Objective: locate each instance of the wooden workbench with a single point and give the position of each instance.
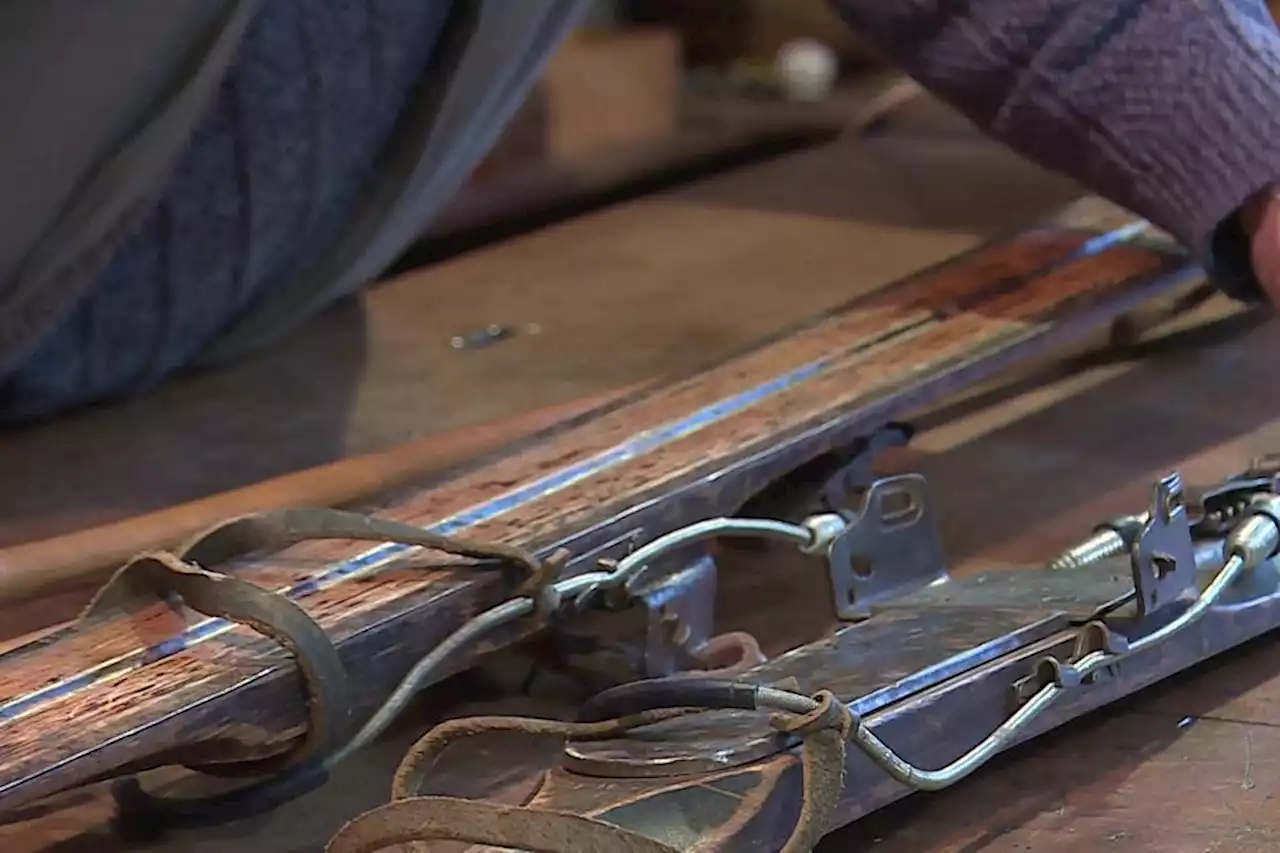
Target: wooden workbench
(1190, 766)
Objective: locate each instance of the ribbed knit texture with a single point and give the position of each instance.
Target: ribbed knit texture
(1170, 108)
(269, 179)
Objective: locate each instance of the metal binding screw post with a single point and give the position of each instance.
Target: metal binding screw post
(1111, 539)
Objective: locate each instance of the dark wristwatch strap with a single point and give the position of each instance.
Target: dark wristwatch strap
(1229, 265)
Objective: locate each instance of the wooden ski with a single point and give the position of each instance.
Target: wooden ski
(144, 680)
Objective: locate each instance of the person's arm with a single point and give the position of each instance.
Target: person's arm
(1170, 108)
(98, 102)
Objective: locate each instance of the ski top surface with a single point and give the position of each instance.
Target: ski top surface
(109, 694)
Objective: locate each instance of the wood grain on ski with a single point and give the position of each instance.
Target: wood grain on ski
(699, 447)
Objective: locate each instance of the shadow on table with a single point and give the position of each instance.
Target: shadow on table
(283, 410)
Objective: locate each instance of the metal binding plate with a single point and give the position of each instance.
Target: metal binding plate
(891, 547)
(1164, 557)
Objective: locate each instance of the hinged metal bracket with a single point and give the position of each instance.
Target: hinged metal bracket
(1164, 557)
(891, 546)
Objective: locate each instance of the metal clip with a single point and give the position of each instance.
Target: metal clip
(1096, 637)
(890, 547)
(1164, 557)
(1093, 637)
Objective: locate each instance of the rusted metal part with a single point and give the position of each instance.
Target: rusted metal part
(680, 611)
(727, 656)
(693, 450)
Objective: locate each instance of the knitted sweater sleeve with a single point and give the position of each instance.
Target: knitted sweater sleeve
(1170, 108)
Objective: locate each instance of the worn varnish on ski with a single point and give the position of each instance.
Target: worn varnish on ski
(140, 686)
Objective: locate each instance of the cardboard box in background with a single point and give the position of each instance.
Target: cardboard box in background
(609, 88)
(602, 89)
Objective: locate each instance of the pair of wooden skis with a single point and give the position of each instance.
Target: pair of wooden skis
(274, 646)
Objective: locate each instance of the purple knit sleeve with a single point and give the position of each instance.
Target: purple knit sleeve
(1170, 108)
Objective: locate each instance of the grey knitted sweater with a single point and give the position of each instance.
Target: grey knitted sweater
(286, 146)
(1168, 107)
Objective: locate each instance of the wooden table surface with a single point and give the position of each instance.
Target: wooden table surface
(1193, 765)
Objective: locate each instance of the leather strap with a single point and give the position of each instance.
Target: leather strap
(162, 577)
(410, 817)
(159, 577)
(275, 531)
(826, 731)
(482, 822)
